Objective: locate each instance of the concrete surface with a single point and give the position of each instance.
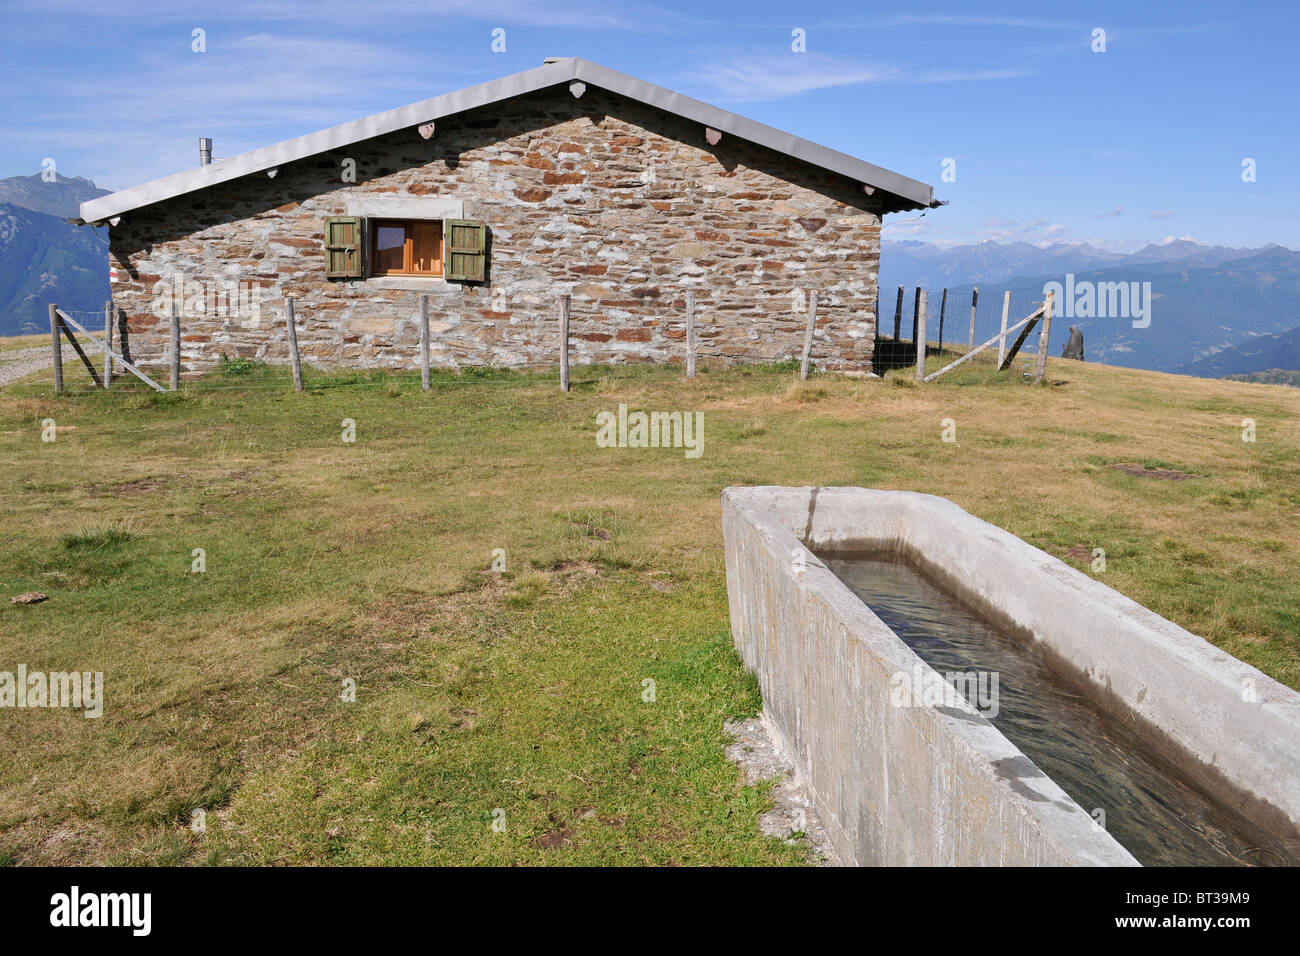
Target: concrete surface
(936, 785)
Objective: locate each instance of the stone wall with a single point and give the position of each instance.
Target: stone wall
(621, 205)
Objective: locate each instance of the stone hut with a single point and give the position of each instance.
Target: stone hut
(493, 202)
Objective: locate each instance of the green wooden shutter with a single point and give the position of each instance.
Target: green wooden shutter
(466, 243)
(343, 247)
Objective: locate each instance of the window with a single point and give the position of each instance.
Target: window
(452, 249)
(405, 247)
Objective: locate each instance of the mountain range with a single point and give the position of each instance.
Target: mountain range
(45, 259)
(1205, 300)
(1214, 310)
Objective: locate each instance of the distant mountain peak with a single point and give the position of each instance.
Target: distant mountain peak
(61, 197)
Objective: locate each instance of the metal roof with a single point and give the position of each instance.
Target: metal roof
(913, 194)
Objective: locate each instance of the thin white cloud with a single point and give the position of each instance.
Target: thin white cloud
(979, 21)
(1162, 213)
(753, 78)
(136, 121)
(1039, 231)
(757, 77)
(575, 14)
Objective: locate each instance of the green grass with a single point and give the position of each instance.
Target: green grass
(522, 691)
(12, 343)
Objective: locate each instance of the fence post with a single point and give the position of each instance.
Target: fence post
(424, 342)
(920, 334)
(916, 311)
(564, 343)
(943, 307)
(108, 343)
(1044, 337)
(808, 335)
(898, 315)
(1002, 339)
(690, 333)
(58, 349)
(974, 300)
(176, 347)
(875, 335)
(293, 343)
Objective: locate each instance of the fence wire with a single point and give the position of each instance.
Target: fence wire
(957, 317)
(240, 374)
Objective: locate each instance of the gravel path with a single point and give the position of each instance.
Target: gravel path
(23, 362)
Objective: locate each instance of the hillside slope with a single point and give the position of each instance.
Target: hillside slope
(1196, 310)
(46, 260)
(1258, 354)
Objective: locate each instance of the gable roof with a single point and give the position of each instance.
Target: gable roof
(911, 193)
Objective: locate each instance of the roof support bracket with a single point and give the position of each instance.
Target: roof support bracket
(426, 131)
(577, 88)
(712, 136)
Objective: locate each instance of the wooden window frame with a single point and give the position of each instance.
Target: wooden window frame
(408, 247)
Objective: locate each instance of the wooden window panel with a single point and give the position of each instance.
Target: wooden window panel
(426, 248)
(390, 248)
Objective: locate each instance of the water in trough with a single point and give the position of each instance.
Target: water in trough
(1156, 814)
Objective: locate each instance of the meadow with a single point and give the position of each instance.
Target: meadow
(233, 566)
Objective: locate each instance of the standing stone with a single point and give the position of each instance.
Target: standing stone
(1074, 347)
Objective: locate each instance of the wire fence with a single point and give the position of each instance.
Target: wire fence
(948, 323)
(950, 319)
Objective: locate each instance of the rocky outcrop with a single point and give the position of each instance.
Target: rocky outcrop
(1074, 347)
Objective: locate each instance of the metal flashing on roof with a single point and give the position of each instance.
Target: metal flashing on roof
(912, 194)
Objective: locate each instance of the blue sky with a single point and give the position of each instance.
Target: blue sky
(1050, 141)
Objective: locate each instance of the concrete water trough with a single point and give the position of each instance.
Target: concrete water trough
(930, 779)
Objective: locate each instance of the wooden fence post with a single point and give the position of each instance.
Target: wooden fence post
(1044, 338)
(690, 334)
(58, 349)
(564, 343)
(108, 343)
(974, 300)
(176, 347)
(808, 335)
(292, 325)
(916, 311)
(875, 335)
(898, 315)
(943, 307)
(1002, 339)
(424, 342)
(920, 334)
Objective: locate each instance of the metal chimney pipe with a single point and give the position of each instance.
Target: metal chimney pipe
(205, 151)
